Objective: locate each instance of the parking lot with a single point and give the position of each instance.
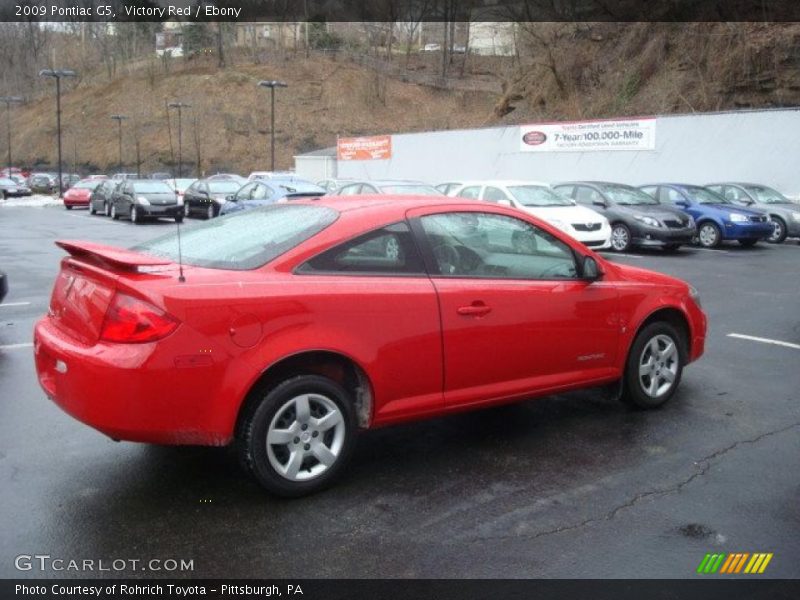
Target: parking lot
(566, 486)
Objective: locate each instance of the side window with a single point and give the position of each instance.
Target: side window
(368, 189)
(565, 190)
(390, 250)
(350, 190)
(472, 192)
(735, 195)
(651, 190)
(260, 192)
(244, 192)
(486, 245)
(493, 194)
(586, 195)
(671, 196)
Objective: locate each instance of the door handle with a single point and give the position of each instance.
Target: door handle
(476, 309)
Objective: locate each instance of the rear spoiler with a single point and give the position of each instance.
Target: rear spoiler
(119, 258)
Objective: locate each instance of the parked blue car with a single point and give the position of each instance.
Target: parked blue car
(261, 192)
(717, 218)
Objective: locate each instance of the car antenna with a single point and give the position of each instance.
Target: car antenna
(181, 278)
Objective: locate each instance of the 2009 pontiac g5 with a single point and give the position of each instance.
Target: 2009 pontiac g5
(289, 328)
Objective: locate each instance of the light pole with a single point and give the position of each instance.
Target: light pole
(180, 106)
(9, 100)
(57, 74)
(119, 119)
(272, 85)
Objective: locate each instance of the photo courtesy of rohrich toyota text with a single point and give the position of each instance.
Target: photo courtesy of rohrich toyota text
(405, 299)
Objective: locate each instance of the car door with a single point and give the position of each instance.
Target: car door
(677, 199)
(385, 304)
(516, 318)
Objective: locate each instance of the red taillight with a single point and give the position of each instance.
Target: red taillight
(133, 321)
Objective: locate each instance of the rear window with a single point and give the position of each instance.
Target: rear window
(245, 240)
(151, 187)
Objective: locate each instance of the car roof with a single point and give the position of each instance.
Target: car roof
(591, 182)
(386, 202)
(388, 182)
(505, 182)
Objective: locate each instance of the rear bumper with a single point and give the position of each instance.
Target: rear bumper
(172, 210)
(154, 393)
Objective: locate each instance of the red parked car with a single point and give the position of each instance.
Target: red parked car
(290, 327)
(80, 193)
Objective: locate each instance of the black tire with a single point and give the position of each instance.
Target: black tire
(2, 195)
(709, 235)
(252, 448)
(748, 243)
(114, 214)
(106, 209)
(179, 219)
(92, 211)
(135, 218)
(210, 212)
(780, 231)
(672, 247)
(620, 237)
(68, 207)
(634, 392)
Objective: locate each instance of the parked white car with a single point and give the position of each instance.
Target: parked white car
(537, 198)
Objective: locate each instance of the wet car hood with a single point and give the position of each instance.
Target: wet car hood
(158, 199)
(657, 211)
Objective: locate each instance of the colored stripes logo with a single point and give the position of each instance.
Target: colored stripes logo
(740, 562)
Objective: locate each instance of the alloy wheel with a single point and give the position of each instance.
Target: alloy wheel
(658, 365)
(107, 209)
(134, 215)
(620, 238)
(305, 437)
(777, 232)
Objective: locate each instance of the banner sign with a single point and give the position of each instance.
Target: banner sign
(589, 136)
(378, 147)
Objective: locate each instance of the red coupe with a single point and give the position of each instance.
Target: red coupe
(288, 328)
(80, 193)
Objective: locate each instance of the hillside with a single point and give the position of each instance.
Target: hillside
(564, 71)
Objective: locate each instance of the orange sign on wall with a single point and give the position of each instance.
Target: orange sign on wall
(376, 147)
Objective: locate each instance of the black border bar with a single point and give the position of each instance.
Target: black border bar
(400, 10)
(406, 589)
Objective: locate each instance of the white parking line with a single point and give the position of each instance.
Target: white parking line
(764, 340)
(7, 304)
(16, 346)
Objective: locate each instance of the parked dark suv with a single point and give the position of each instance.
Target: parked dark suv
(636, 219)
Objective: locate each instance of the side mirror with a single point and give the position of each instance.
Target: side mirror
(590, 270)
(599, 203)
(229, 198)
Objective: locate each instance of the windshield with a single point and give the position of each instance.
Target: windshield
(242, 241)
(537, 195)
(86, 185)
(151, 187)
(416, 189)
(705, 196)
(766, 195)
(179, 184)
(5, 181)
(224, 186)
(627, 196)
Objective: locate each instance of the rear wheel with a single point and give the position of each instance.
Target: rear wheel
(778, 231)
(114, 214)
(620, 237)
(748, 243)
(92, 211)
(68, 206)
(106, 209)
(210, 211)
(135, 217)
(709, 235)
(654, 367)
(299, 437)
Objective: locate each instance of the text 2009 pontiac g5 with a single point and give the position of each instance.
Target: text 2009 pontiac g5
(295, 325)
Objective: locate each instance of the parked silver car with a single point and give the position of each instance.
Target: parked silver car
(784, 214)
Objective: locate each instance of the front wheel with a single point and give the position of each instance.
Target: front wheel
(135, 217)
(300, 436)
(620, 237)
(92, 211)
(210, 211)
(68, 206)
(106, 209)
(778, 231)
(709, 235)
(654, 367)
(114, 214)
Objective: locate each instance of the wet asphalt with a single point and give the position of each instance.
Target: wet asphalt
(566, 486)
